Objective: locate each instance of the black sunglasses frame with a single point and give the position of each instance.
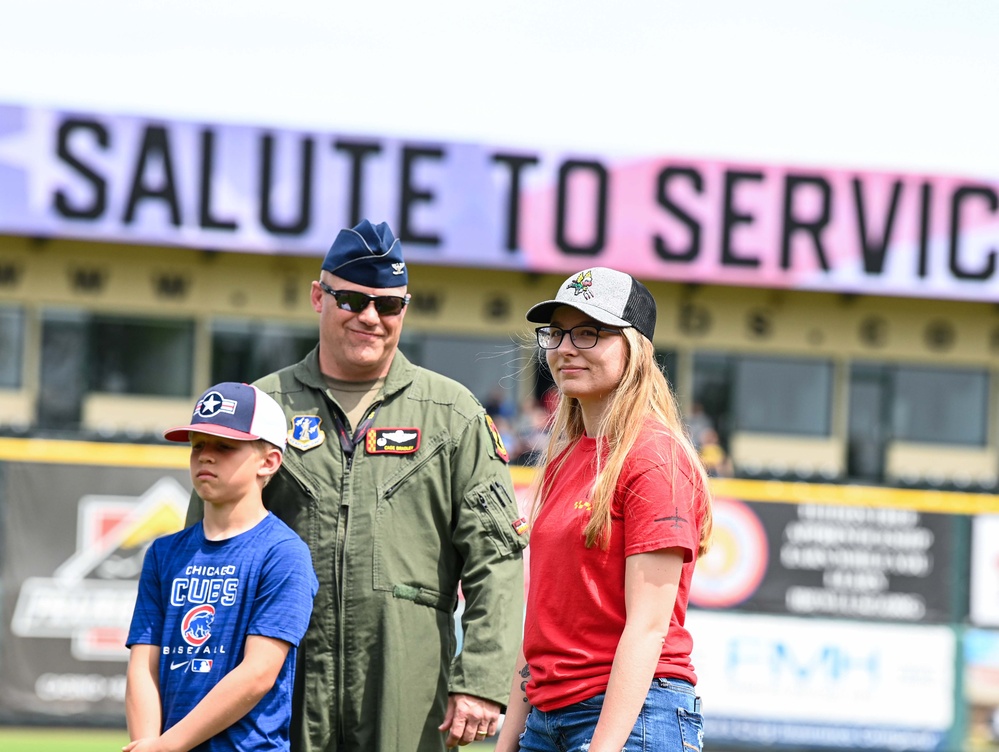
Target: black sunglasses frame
(572, 337)
(385, 305)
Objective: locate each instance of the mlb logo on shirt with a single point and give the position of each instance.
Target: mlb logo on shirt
(201, 666)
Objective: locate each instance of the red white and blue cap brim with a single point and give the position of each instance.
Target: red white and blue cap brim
(235, 411)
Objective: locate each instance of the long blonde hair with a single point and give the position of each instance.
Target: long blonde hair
(642, 394)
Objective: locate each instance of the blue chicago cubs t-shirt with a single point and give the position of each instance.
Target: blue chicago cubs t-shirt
(199, 599)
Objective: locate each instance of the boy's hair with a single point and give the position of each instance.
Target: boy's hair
(235, 411)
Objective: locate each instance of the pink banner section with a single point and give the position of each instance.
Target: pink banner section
(255, 189)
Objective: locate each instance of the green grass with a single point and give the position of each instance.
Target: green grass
(18, 739)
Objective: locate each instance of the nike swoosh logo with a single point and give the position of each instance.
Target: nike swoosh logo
(178, 665)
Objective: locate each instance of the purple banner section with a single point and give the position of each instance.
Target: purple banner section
(250, 188)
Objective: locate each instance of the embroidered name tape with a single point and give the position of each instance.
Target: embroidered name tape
(392, 440)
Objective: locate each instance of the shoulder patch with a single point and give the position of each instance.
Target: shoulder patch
(498, 445)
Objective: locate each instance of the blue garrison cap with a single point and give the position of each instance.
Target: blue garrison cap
(368, 255)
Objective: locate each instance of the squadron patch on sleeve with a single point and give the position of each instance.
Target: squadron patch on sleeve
(305, 432)
(498, 445)
(392, 440)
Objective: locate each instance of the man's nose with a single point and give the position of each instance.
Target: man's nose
(368, 314)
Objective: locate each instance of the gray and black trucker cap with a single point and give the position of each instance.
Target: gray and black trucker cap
(605, 295)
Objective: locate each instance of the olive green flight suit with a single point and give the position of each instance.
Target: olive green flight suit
(392, 531)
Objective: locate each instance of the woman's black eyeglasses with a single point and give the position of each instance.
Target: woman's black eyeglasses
(356, 301)
(583, 336)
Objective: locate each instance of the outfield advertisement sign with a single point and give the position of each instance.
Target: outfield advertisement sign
(75, 532)
(780, 681)
(984, 605)
(161, 181)
(810, 559)
(74, 538)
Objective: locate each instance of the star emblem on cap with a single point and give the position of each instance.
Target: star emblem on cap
(210, 404)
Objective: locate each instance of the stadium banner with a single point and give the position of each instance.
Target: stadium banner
(210, 186)
(810, 559)
(73, 540)
(984, 596)
(981, 689)
(775, 681)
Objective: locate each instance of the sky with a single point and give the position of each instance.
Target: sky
(889, 85)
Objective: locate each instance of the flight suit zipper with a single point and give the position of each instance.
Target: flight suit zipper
(349, 443)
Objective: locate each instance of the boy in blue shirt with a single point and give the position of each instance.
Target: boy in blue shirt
(223, 604)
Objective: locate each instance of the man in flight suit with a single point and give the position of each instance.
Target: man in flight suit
(397, 479)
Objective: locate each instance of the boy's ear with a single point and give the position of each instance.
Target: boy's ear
(272, 460)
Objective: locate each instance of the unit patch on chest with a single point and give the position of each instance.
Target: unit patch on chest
(392, 440)
(305, 432)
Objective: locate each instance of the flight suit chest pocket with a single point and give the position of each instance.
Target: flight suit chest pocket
(409, 525)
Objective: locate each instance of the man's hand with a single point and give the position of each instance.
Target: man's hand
(469, 719)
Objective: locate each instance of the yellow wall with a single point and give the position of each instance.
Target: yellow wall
(37, 273)
(154, 281)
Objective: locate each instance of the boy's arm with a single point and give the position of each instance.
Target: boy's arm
(143, 713)
(234, 696)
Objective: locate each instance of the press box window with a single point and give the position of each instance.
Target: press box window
(783, 395)
(246, 350)
(83, 353)
(764, 395)
(152, 357)
(940, 406)
(12, 347)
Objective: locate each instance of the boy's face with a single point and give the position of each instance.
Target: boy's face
(228, 470)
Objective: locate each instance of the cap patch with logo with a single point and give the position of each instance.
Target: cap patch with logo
(235, 411)
(606, 296)
(392, 440)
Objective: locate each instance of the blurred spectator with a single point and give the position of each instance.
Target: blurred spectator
(715, 458)
(697, 422)
(500, 404)
(531, 429)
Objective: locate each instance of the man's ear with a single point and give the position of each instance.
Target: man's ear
(316, 297)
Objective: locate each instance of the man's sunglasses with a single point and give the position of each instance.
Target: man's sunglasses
(355, 301)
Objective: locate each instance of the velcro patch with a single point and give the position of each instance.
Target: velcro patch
(498, 446)
(305, 432)
(392, 440)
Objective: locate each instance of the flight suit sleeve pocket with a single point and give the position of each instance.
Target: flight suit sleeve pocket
(498, 517)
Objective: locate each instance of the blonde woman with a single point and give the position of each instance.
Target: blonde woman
(621, 514)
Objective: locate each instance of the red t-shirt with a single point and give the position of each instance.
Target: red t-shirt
(575, 607)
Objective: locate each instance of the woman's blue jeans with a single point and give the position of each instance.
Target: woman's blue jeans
(670, 721)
